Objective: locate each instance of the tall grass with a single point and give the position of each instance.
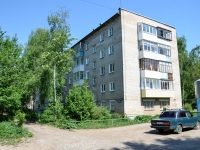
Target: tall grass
(11, 134)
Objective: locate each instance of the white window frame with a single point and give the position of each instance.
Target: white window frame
(103, 87)
(163, 102)
(94, 65)
(70, 80)
(110, 49)
(101, 37)
(87, 61)
(111, 67)
(86, 47)
(87, 75)
(103, 104)
(110, 31)
(102, 70)
(94, 81)
(94, 49)
(102, 53)
(112, 105)
(149, 104)
(112, 86)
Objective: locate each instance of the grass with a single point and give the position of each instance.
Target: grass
(97, 124)
(11, 134)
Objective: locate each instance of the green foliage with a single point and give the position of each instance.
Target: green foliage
(11, 134)
(100, 113)
(188, 106)
(80, 104)
(144, 118)
(53, 113)
(10, 91)
(20, 118)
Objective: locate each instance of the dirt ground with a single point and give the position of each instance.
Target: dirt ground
(134, 137)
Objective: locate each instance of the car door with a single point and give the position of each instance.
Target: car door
(184, 119)
(191, 119)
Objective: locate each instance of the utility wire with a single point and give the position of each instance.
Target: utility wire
(98, 4)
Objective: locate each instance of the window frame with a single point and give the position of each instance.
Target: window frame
(103, 88)
(87, 75)
(111, 49)
(101, 37)
(87, 60)
(111, 67)
(94, 64)
(110, 31)
(112, 106)
(102, 53)
(111, 86)
(102, 70)
(94, 49)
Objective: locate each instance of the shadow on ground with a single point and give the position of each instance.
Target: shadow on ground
(168, 144)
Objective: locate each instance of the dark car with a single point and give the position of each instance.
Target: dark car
(175, 120)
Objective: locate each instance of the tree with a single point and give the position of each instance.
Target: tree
(183, 64)
(48, 58)
(80, 104)
(10, 91)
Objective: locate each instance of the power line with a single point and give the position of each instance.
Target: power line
(98, 4)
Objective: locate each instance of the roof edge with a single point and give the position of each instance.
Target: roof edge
(147, 17)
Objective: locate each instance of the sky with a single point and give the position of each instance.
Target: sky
(21, 17)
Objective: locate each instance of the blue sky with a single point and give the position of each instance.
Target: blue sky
(23, 16)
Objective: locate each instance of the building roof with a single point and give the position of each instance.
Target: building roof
(113, 18)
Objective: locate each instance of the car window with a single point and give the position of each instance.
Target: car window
(188, 114)
(182, 114)
(168, 114)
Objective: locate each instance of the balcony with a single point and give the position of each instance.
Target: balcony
(79, 54)
(152, 93)
(154, 74)
(152, 55)
(150, 37)
(78, 68)
(79, 82)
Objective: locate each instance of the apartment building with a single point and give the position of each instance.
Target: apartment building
(131, 64)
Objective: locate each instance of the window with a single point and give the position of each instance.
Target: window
(110, 49)
(111, 68)
(165, 34)
(101, 37)
(87, 61)
(111, 86)
(110, 31)
(102, 70)
(86, 47)
(103, 104)
(103, 87)
(94, 65)
(148, 104)
(94, 81)
(148, 29)
(112, 105)
(94, 49)
(102, 53)
(70, 81)
(163, 103)
(87, 75)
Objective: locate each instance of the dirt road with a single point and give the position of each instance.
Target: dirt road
(135, 137)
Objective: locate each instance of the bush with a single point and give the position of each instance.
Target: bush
(11, 134)
(100, 113)
(20, 117)
(188, 107)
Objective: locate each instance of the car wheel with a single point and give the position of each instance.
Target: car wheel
(197, 126)
(179, 129)
(160, 130)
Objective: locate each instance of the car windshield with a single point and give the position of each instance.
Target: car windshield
(169, 114)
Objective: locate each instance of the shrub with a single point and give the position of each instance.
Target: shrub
(11, 134)
(188, 107)
(20, 117)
